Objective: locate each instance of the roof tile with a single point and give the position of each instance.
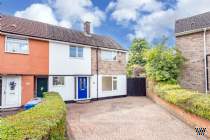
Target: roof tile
(46, 31)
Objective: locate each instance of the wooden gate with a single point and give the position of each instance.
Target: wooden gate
(136, 86)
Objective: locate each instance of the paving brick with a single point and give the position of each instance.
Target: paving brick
(129, 118)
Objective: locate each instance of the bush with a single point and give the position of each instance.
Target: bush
(163, 64)
(191, 101)
(45, 121)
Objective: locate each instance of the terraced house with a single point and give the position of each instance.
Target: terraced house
(37, 57)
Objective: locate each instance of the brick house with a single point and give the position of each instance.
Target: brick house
(193, 40)
(37, 57)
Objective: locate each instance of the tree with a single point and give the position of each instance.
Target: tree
(163, 63)
(136, 51)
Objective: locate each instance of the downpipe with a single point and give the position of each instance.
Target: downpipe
(205, 61)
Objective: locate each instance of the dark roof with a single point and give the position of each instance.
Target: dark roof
(21, 26)
(193, 23)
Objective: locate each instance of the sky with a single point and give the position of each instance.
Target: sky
(123, 20)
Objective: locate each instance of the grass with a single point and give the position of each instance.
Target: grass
(191, 101)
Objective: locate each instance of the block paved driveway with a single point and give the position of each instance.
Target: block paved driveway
(129, 118)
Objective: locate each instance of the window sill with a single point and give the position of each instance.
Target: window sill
(17, 53)
(58, 85)
(80, 58)
(109, 60)
(109, 91)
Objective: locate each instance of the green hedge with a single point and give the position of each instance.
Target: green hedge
(191, 101)
(46, 121)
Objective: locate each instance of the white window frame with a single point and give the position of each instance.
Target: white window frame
(112, 55)
(58, 85)
(5, 47)
(114, 78)
(73, 46)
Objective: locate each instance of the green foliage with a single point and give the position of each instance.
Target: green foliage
(191, 101)
(136, 52)
(163, 64)
(45, 121)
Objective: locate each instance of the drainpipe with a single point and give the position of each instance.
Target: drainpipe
(97, 70)
(205, 61)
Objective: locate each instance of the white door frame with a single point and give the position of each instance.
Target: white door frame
(1, 91)
(4, 91)
(88, 88)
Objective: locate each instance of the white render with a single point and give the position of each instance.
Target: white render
(121, 87)
(67, 91)
(60, 62)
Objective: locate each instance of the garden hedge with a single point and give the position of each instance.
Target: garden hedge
(191, 101)
(46, 121)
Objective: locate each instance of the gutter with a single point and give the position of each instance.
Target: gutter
(191, 31)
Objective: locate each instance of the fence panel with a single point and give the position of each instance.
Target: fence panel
(136, 86)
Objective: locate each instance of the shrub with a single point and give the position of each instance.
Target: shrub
(191, 101)
(163, 64)
(45, 121)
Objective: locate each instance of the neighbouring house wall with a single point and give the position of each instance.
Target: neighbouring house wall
(27, 89)
(121, 87)
(36, 62)
(60, 61)
(108, 67)
(191, 47)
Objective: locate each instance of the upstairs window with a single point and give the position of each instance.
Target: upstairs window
(14, 45)
(76, 52)
(108, 55)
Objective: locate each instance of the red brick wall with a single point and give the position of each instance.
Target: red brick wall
(27, 88)
(36, 62)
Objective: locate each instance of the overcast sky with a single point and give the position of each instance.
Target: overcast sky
(121, 19)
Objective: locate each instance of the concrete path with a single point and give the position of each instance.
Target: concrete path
(129, 118)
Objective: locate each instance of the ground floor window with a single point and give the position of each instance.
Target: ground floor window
(109, 83)
(58, 80)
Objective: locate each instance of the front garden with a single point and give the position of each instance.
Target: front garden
(190, 101)
(45, 121)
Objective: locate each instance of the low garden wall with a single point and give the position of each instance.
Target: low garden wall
(46, 121)
(191, 107)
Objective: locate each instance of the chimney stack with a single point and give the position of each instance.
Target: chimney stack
(87, 27)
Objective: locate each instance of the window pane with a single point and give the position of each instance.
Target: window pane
(106, 55)
(106, 83)
(80, 52)
(114, 55)
(58, 80)
(23, 48)
(73, 52)
(17, 45)
(114, 84)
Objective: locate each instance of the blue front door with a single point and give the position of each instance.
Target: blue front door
(82, 87)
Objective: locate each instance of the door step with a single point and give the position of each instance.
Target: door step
(83, 101)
